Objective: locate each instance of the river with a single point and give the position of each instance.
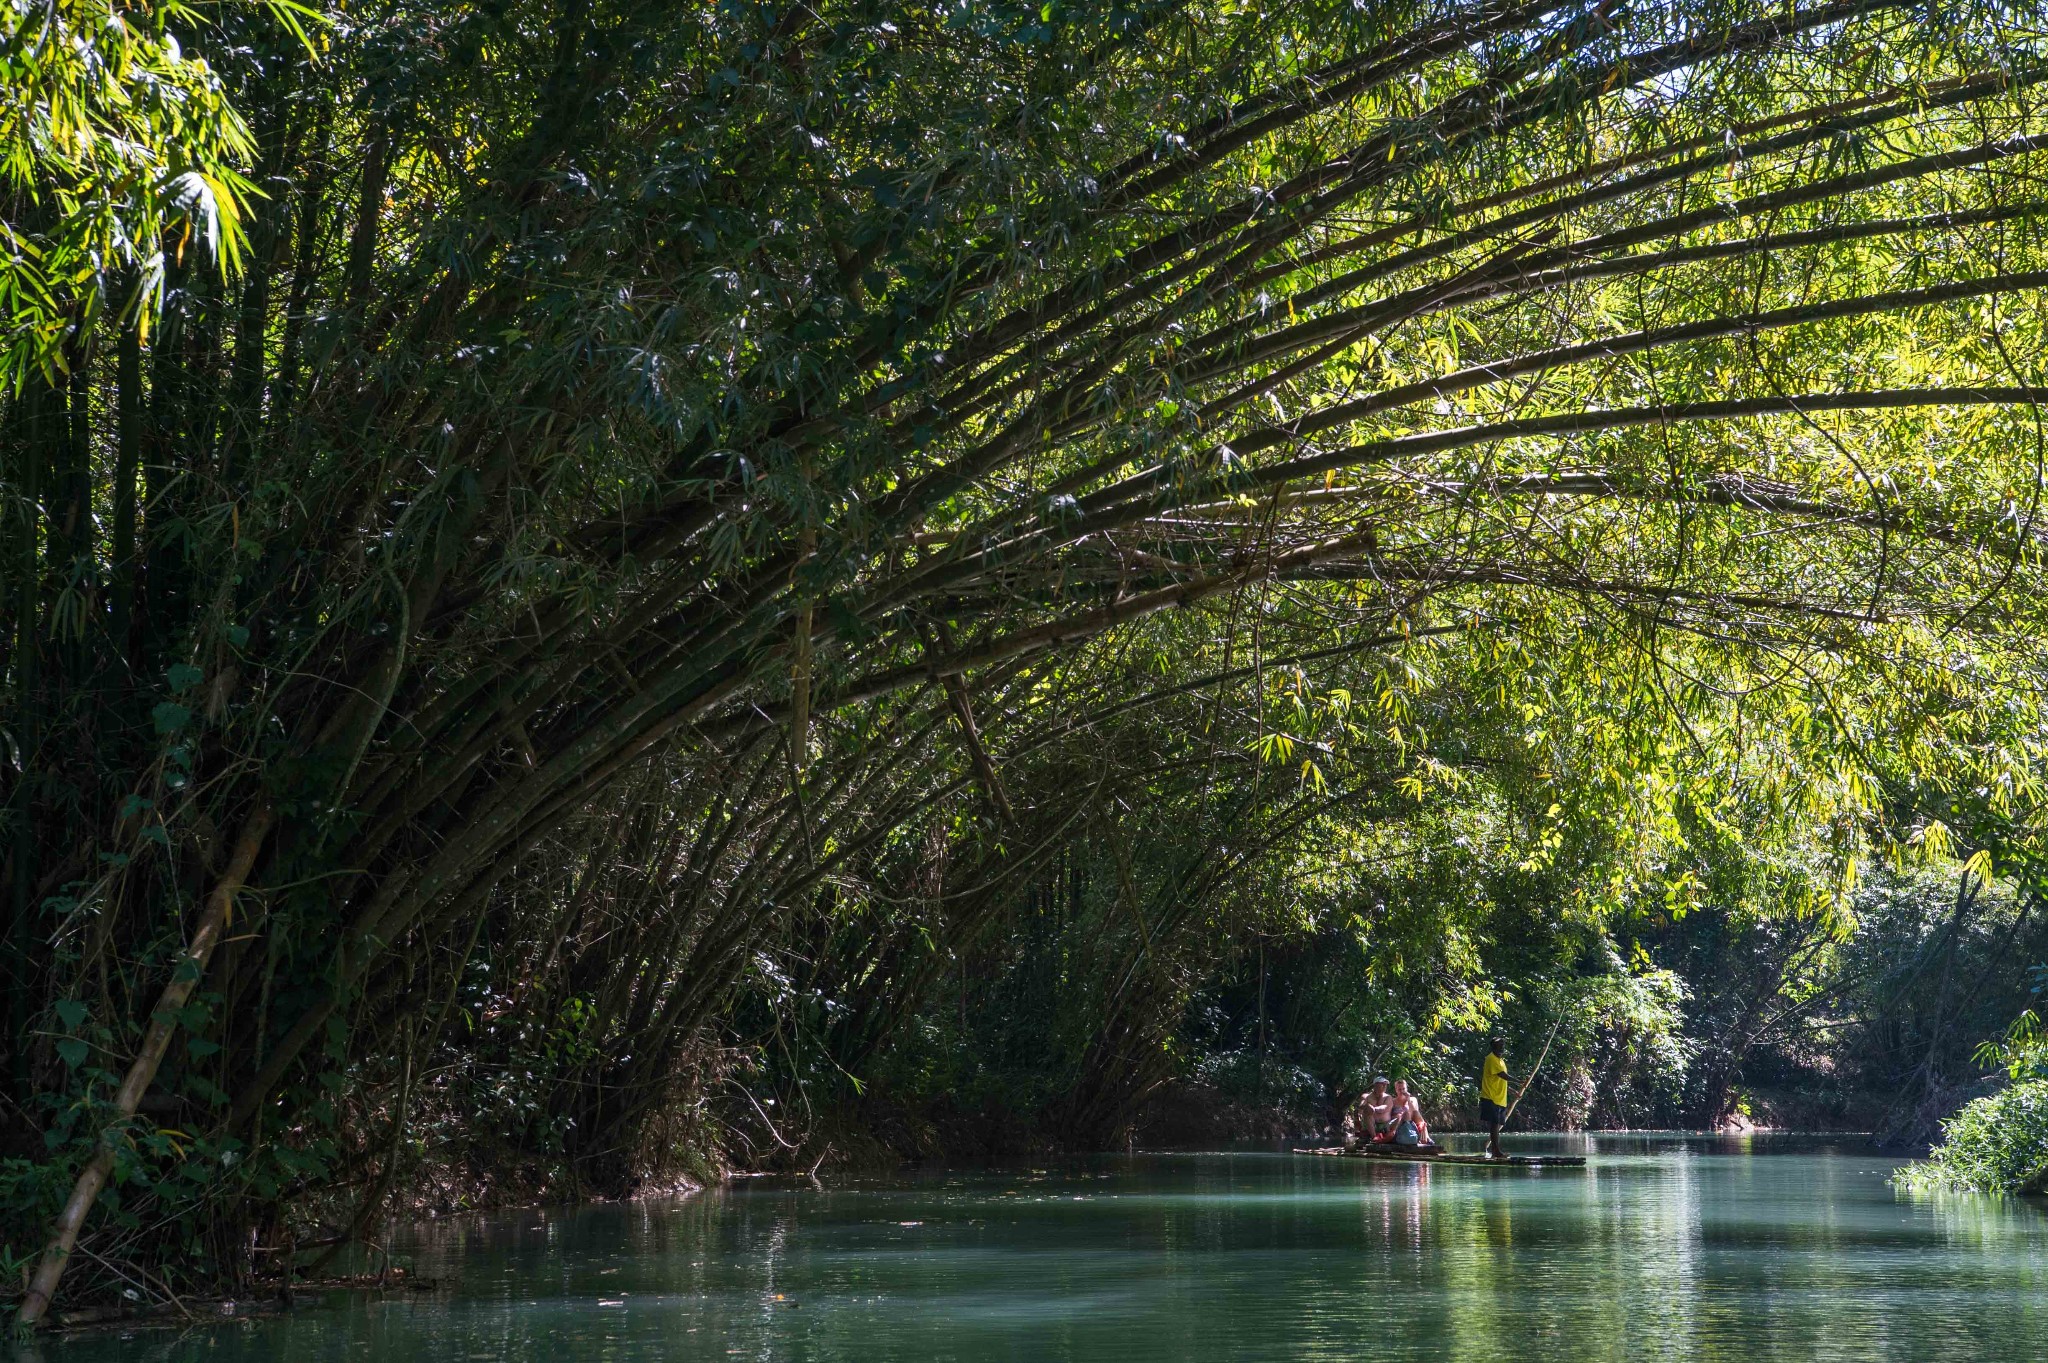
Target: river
(1664, 1247)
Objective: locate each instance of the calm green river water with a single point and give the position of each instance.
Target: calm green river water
(1687, 1248)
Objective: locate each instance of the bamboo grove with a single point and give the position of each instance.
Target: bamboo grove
(703, 515)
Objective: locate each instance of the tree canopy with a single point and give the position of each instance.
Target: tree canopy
(636, 543)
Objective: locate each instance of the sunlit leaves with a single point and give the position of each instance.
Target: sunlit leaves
(123, 152)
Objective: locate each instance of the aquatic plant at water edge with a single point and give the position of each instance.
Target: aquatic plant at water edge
(1997, 1144)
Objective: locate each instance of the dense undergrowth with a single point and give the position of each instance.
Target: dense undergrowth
(592, 588)
(1997, 1144)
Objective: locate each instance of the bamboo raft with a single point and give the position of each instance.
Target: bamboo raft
(1388, 1152)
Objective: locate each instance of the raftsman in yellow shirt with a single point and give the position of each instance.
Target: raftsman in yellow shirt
(1493, 1080)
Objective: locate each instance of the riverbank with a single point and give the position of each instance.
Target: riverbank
(1997, 1144)
(259, 1301)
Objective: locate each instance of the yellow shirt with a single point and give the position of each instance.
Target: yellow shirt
(1493, 1080)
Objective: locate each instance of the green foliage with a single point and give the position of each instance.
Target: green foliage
(1997, 1144)
(2023, 1053)
(121, 150)
(950, 551)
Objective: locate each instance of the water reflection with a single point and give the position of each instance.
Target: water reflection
(1662, 1248)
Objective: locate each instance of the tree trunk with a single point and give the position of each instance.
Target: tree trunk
(185, 976)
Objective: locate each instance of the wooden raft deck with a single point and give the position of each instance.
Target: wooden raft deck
(1385, 1152)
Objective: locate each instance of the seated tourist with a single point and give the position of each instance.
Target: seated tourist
(1375, 1112)
(1410, 1131)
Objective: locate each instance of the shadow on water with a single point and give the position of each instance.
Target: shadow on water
(1664, 1247)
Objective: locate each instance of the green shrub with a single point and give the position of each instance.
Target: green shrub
(1995, 1144)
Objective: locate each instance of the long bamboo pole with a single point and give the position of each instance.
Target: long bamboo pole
(163, 1022)
(1530, 1077)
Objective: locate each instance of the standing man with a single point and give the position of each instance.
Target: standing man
(1493, 1097)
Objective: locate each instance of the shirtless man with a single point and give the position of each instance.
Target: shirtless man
(1375, 1112)
(1409, 1128)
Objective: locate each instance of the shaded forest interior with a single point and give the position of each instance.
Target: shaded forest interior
(593, 592)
